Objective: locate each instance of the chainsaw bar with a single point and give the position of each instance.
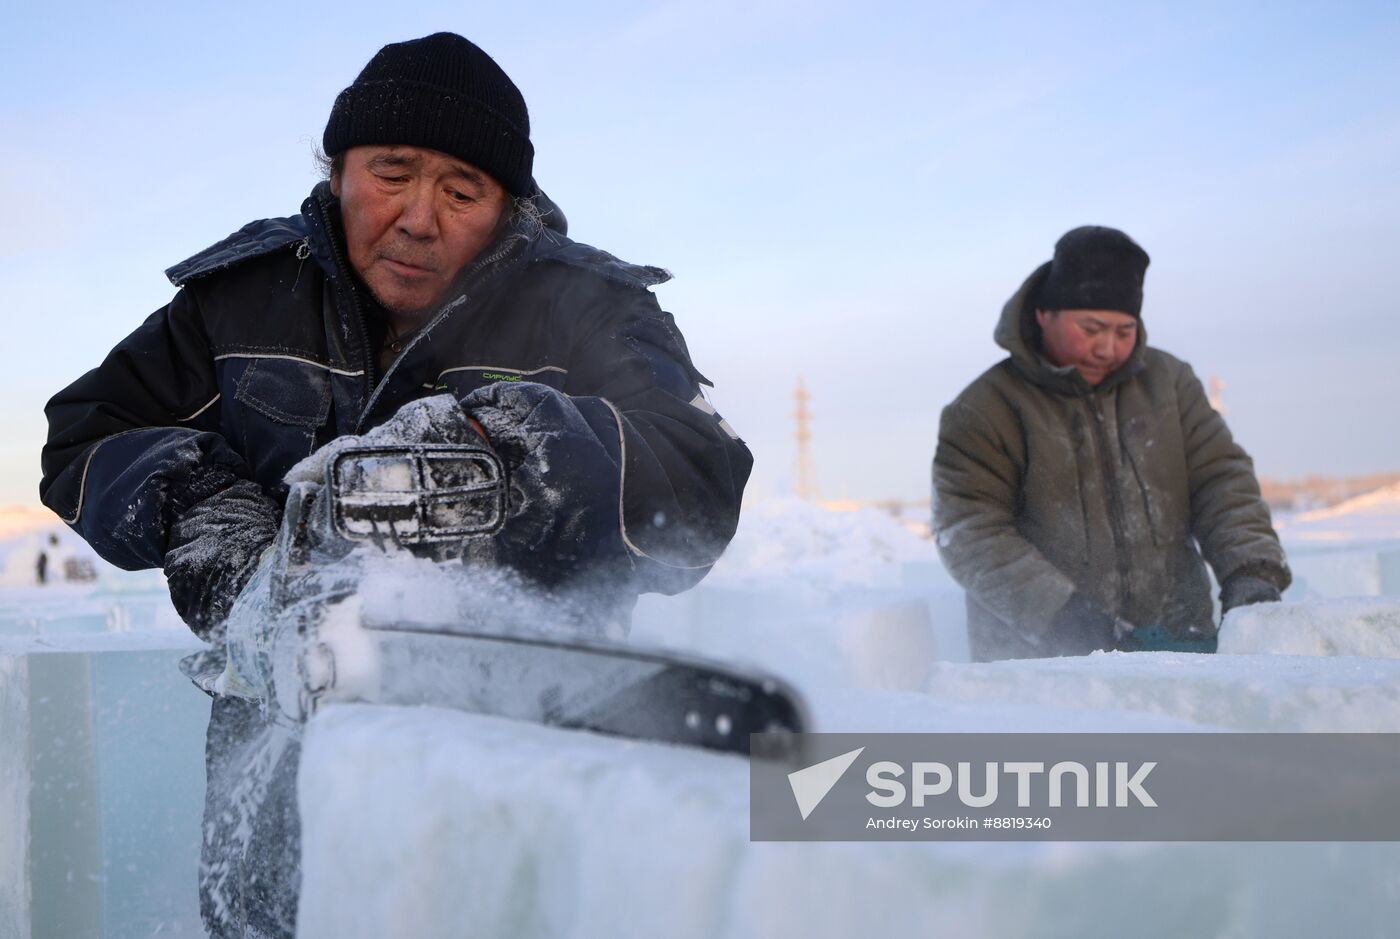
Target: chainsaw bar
(606, 687)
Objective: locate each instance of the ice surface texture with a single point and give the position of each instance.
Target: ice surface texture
(1356, 627)
(435, 824)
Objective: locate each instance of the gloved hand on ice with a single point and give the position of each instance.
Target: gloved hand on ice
(1082, 626)
(1244, 589)
(222, 526)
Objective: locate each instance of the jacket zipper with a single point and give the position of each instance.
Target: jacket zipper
(479, 273)
(303, 252)
(1115, 505)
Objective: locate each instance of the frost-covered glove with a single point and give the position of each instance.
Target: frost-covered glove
(564, 480)
(435, 420)
(215, 542)
(1246, 589)
(439, 419)
(1081, 627)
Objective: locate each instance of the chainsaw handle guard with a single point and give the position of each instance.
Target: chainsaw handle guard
(417, 494)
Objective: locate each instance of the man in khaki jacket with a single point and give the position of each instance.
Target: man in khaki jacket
(1079, 482)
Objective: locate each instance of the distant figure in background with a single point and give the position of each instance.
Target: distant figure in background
(41, 563)
(1079, 481)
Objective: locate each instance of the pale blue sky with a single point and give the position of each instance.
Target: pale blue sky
(845, 191)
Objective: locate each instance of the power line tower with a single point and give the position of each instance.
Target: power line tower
(1216, 395)
(806, 479)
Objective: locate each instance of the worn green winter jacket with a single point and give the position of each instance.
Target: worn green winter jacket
(1044, 485)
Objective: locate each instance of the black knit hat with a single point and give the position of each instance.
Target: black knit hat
(443, 93)
(1095, 268)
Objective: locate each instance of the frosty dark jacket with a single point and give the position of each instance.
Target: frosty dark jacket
(264, 355)
(1044, 485)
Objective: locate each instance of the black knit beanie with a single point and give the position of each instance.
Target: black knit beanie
(1095, 268)
(443, 93)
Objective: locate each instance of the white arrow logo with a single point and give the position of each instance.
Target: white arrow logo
(810, 785)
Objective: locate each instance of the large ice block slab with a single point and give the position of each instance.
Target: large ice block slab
(1388, 564)
(1235, 692)
(429, 823)
(1338, 570)
(1357, 626)
(108, 785)
(14, 797)
(128, 604)
(55, 611)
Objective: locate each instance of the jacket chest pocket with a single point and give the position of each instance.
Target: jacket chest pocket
(280, 405)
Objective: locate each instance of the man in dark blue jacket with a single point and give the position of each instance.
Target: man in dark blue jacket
(428, 264)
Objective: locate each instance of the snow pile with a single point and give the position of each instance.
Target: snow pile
(1353, 627)
(786, 539)
(853, 639)
(1374, 516)
(824, 598)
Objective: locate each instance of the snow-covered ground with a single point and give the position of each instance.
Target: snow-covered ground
(424, 822)
(1372, 517)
